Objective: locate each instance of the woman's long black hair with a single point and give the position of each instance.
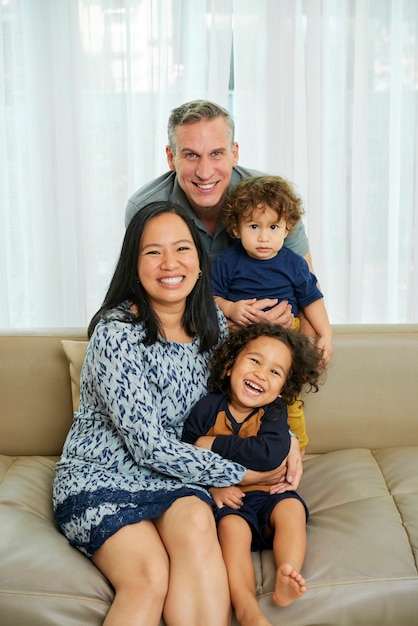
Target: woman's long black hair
(200, 317)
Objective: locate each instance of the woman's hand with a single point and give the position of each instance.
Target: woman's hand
(205, 441)
(294, 469)
(227, 496)
(272, 477)
(286, 477)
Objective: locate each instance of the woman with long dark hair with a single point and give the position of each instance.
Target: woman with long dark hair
(128, 493)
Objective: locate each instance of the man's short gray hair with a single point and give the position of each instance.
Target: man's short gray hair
(195, 111)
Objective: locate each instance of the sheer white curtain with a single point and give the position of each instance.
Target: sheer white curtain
(86, 89)
(323, 92)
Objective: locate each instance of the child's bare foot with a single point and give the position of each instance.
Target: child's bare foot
(289, 585)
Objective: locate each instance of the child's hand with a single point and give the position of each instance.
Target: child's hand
(227, 496)
(325, 345)
(242, 312)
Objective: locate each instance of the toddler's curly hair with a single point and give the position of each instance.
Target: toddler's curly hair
(256, 192)
(306, 370)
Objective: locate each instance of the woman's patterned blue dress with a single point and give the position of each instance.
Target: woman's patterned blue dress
(123, 460)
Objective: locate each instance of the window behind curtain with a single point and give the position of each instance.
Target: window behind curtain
(323, 93)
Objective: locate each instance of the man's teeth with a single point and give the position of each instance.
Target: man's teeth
(210, 186)
(172, 281)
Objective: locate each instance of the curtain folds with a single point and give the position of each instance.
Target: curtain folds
(324, 92)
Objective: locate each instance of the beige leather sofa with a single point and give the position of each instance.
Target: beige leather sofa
(360, 482)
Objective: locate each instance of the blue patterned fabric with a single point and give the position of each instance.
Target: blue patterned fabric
(123, 460)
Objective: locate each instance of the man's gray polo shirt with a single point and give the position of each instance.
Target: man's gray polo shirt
(166, 187)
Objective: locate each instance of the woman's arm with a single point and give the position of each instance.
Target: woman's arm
(267, 442)
(128, 398)
(285, 477)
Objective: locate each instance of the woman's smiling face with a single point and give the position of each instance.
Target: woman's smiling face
(168, 261)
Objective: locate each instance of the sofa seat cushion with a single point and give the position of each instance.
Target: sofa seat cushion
(43, 581)
(361, 563)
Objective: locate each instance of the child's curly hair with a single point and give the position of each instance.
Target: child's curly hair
(306, 369)
(262, 191)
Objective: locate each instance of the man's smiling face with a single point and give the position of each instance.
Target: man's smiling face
(203, 163)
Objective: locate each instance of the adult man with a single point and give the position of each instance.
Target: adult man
(203, 159)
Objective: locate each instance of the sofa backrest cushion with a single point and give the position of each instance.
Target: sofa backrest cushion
(369, 400)
(35, 398)
(370, 396)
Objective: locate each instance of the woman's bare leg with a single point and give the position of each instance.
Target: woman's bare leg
(198, 587)
(288, 521)
(235, 539)
(135, 562)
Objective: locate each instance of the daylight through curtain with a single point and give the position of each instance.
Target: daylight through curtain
(323, 92)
